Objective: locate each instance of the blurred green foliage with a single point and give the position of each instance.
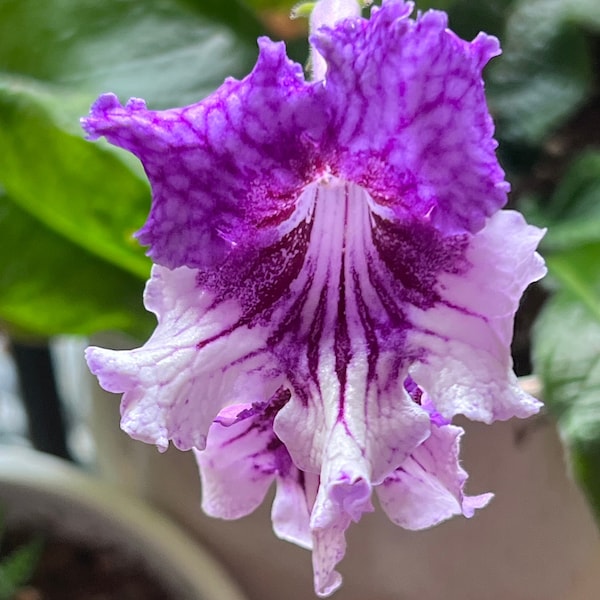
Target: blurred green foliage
(69, 264)
(18, 566)
(68, 208)
(567, 334)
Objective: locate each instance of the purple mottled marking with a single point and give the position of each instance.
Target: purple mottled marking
(413, 389)
(416, 254)
(260, 417)
(260, 278)
(265, 412)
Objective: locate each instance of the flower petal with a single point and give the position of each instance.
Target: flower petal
(328, 12)
(242, 458)
(224, 172)
(198, 360)
(330, 336)
(329, 547)
(409, 121)
(428, 488)
(292, 507)
(349, 418)
(464, 339)
(334, 285)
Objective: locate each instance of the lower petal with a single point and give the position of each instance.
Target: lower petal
(428, 487)
(464, 339)
(329, 547)
(292, 506)
(237, 467)
(199, 360)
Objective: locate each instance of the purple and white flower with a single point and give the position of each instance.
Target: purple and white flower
(334, 279)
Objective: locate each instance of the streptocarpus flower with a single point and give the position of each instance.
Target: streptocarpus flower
(334, 278)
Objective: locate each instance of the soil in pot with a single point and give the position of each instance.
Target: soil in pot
(71, 570)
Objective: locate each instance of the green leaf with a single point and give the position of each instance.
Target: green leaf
(578, 195)
(68, 259)
(280, 5)
(546, 72)
(567, 359)
(49, 285)
(75, 188)
(19, 567)
(572, 212)
(167, 51)
(566, 342)
(435, 4)
(468, 18)
(577, 270)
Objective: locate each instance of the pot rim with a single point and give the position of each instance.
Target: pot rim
(166, 546)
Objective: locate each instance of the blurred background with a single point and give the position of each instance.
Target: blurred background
(70, 269)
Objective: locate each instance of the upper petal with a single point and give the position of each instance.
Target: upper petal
(408, 117)
(225, 172)
(328, 12)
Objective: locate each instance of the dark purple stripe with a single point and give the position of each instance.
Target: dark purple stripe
(342, 346)
(368, 327)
